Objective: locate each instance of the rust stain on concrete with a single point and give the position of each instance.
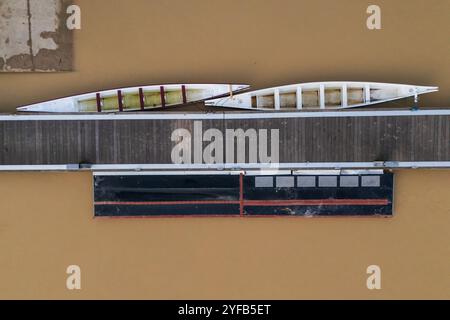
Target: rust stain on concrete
(34, 36)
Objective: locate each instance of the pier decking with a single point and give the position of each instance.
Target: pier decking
(331, 137)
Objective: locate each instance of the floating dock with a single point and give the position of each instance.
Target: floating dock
(356, 139)
(243, 195)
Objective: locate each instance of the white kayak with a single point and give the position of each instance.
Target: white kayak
(321, 95)
(135, 98)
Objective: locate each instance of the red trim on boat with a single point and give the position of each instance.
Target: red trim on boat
(183, 91)
(163, 97)
(99, 102)
(141, 98)
(120, 99)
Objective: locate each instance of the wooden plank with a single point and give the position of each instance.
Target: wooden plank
(363, 139)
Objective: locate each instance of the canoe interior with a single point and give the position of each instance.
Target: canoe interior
(334, 97)
(132, 100)
(136, 98)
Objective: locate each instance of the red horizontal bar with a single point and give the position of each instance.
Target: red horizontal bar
(170, 216)
(320, 202)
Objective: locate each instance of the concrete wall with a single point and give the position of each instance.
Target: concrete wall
(34, 36)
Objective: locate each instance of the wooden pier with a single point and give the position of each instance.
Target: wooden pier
(146, 138)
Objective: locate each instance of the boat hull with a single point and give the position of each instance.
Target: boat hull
(321, 96)
(135, 98)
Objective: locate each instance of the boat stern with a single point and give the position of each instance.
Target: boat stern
(240, 87)
(65, 105)
(229, 89)
(423, 90)
(238, 102)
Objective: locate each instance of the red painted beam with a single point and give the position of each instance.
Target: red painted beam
(241, 194)
(320, 202)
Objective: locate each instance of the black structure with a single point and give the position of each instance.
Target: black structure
(243, 196)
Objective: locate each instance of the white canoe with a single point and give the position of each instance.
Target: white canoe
(136, 98)
(321, 95)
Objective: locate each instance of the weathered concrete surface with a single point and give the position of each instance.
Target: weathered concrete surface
(34, 36)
